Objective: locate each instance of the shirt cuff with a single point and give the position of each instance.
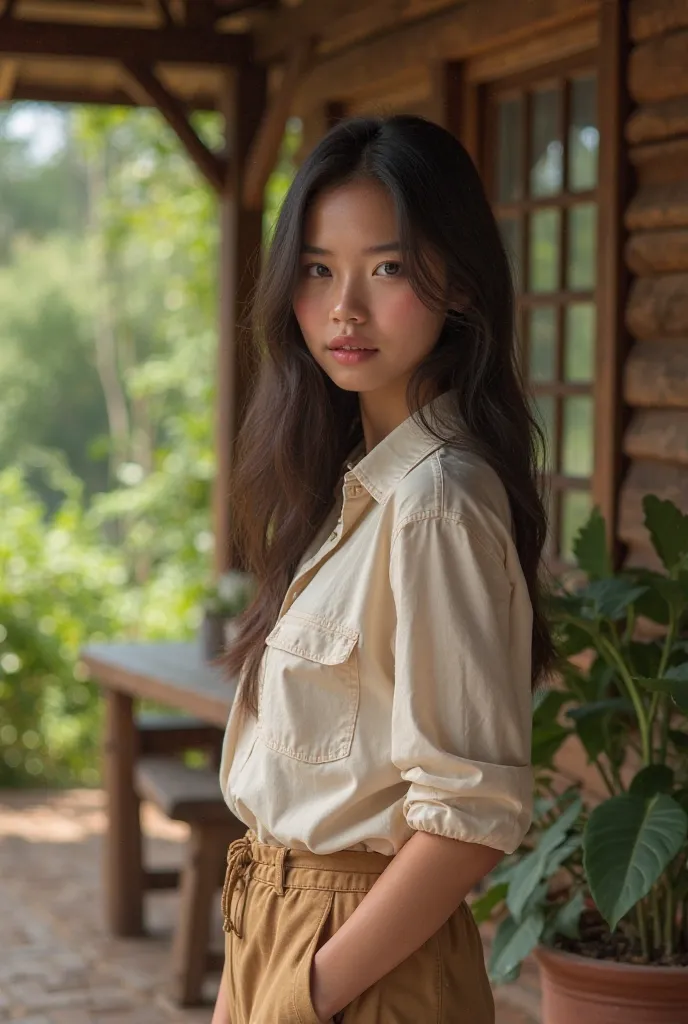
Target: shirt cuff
(497, 813)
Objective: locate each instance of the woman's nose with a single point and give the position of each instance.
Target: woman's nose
(348, 306)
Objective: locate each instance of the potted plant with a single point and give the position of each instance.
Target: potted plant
(600, 889)
(224, 600)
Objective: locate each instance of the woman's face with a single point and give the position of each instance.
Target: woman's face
(353, 290)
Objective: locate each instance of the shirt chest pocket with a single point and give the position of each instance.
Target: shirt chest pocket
(309, 690)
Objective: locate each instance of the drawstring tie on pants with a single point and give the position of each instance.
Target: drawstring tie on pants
(239, 866)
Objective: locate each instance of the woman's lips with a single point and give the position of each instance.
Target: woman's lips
(348, 357)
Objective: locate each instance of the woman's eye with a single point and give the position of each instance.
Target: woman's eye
(389, 269)
(317, 270)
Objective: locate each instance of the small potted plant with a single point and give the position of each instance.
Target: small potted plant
(599, 891)
(224, 600)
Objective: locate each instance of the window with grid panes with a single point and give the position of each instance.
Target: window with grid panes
(542, 173)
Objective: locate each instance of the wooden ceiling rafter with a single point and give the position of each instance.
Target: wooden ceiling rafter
(164, 12)
(143, 85)
(9, 70)
(266, 144)
(183, 45)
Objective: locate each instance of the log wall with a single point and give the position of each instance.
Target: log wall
(656, 371)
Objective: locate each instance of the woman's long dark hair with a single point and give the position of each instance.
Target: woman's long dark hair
(299, 426)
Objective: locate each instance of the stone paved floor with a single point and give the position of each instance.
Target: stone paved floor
(57, 963)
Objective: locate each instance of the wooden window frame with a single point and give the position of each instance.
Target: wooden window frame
(470, 122)
(556, 75)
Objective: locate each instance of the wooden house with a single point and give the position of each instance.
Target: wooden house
(576, 114)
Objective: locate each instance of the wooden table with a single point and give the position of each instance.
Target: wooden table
(174, 674)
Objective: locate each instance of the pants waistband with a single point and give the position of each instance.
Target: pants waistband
(284, 868)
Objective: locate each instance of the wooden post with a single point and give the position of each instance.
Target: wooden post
(454, 103)
(240, 242)
(612, 276)
(123, 868)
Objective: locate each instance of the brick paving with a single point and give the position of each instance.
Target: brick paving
(57, 963)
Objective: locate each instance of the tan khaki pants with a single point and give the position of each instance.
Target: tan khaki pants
(281, 905)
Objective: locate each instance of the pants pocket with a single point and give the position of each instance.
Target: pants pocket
(301, 993)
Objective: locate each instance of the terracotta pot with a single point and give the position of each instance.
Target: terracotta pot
(580, 990)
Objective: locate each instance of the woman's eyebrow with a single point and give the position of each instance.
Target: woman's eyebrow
(315, 250)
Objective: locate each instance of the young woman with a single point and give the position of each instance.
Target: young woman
(385, 501)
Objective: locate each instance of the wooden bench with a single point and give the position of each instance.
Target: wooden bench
(160, 733)
(192, 795)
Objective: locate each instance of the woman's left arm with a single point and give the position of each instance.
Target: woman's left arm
(411, 900)
(460, 736)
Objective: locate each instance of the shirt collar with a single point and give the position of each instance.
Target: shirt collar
(396, 455)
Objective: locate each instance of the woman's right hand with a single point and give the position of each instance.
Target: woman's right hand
(221, 1011)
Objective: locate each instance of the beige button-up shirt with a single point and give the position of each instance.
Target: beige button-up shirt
(395, 690)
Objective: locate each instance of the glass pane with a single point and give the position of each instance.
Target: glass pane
(579, 342)
(510, 228)
(543, 343)
(575, 510)
(544, 251)
(546, 149)
(510, 150)
(578, 439)
(543, 410)
(582, 247)
(584, 138)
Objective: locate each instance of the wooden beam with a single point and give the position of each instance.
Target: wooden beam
(8, 9)
(472, 29)
(339, 23)
(92, 12)
(164, 12)
(146, 46)
(244, 103)
(141, 80)
(455, 104)
(612, 276)
(45, 92)
(9, 70)
(266, 144)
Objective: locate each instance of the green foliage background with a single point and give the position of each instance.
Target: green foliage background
(108, 263)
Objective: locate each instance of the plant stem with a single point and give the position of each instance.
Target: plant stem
(614, 657)
(642, 929)
(605, 778)
(666, 702)
(669, 921)
(656, 919)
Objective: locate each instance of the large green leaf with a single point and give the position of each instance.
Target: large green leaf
(653, 779)
(590, 547)
(561, 854)
(611, 598)
(573, 640)
(627, 844)
(593, 723)
(546, 741)
(532, 868)
(668, 528)
(547, 704)
(566, 921)
(512, 944)
(482, 907)
(599, 708)
(674, 682)
(504, 870)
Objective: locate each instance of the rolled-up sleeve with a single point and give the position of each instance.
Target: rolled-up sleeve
(461, 719)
